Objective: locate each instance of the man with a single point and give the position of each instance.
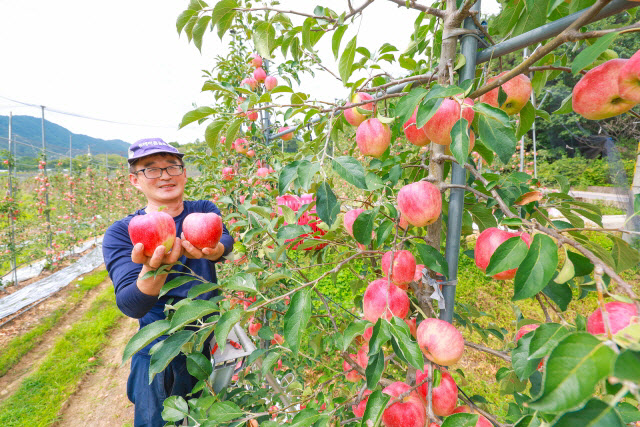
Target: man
(157, 170)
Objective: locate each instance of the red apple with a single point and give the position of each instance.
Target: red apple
(597, 95)
(287, 136)
(440, 341)
(384, 299)
(251, 153)
(262, 172)
(202, 230)
(251, 82)
(277, 339)
(438, 128)
(241, 146)
(518, 91)
(403, 270)
(629, 79)
(259, 74)
(408, 412)
(270, 82)
(252, 115)
(368, 333)
(352, 375)
(254, 327)
(358, 410)
(418, 274)
(620, 315)
(353, 117)
(420, 203)
(413, 327)
(488, 241)
(255, 60)
(373, 137)
(444, 397)
(228, 174)
(414, 135)
(525, 330)
(152, 230)
(482, 421)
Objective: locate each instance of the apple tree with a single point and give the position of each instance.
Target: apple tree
(389, 185)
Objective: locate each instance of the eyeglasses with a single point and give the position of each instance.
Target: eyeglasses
(155, 173)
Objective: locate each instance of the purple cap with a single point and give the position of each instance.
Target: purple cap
(149, 146)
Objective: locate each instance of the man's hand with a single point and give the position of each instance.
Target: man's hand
(212, 254)
(159, 256)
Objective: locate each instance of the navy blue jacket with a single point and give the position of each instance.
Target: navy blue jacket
(116, 249)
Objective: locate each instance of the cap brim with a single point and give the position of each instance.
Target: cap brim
(152, 152)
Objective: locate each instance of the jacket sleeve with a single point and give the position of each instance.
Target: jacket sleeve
(116, 250)
(226, 239)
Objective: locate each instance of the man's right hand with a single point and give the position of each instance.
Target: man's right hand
(152, 285)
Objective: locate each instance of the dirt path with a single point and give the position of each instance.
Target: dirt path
(31, 360)
(101, 399)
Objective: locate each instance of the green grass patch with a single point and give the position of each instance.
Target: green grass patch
(38, 400)
(19, 346)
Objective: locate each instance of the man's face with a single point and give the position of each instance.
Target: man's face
(163, 190)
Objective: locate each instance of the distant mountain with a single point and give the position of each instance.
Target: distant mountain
(28, 130)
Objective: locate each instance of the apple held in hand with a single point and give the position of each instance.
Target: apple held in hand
(152, 230)
(597, 95)
(408, 412)
(420, 203)
(518, 91)
(440, 341)
(202, 230)
(487, 243)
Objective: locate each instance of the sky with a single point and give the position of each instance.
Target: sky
(123, 61)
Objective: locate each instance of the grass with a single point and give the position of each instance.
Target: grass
(19, 346)
(38, 400)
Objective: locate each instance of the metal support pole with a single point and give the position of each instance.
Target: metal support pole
(46, 190)
(13, 263)
(469, 47)
(266, 116)
(70, 158)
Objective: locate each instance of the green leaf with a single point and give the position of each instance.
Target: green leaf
(212, 132)
(529, 420)
(495, 132)
(627, 366)
(537, 268)
(379, 337)
(191, 311)
(296, 319)
(566, 107)
(628, 412)
(232, 130)
(199, 365)
(264, 38)
(410, 349)
(461, 419)
(353, 330)
(527, 117)
(595, 413)
(336, 39)
(224, 411)
(376, 404)
(184, 18)
(522, 365)
(460, 141)
(327, 205)
(350, 170)
(225, 323)
(507, 256)
(222, 8)
(176, 282)
(165, 351)
(575, 367)
(363, 226)
(144, 336)
(346, 60)
(245, 282)
(408, 103)
(306, 172)
(427, 109)
(291, 231)
(560, 293)
(623, 255)
(271, 358)
(591, 53)
(199, 29)
(175, 408)
(545, 339)
(374, 369)
(433, 259)
(195, 115)
(287, 175)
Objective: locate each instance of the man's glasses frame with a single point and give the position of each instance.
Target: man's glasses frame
(155, 173)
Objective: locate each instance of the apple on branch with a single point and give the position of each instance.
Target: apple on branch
(351, 115)
(440, 341)
(620, 315)
(438, 128)
(384, 299)
(488, 241)
(420, 203)
(444, 396)
(408, 412)
(373, 137)
(518, 91)
(403, 270)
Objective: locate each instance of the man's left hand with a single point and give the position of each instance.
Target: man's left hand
(212, 254)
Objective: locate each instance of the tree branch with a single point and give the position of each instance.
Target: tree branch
(428, 10)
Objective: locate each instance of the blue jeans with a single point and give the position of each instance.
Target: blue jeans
(148, 399)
